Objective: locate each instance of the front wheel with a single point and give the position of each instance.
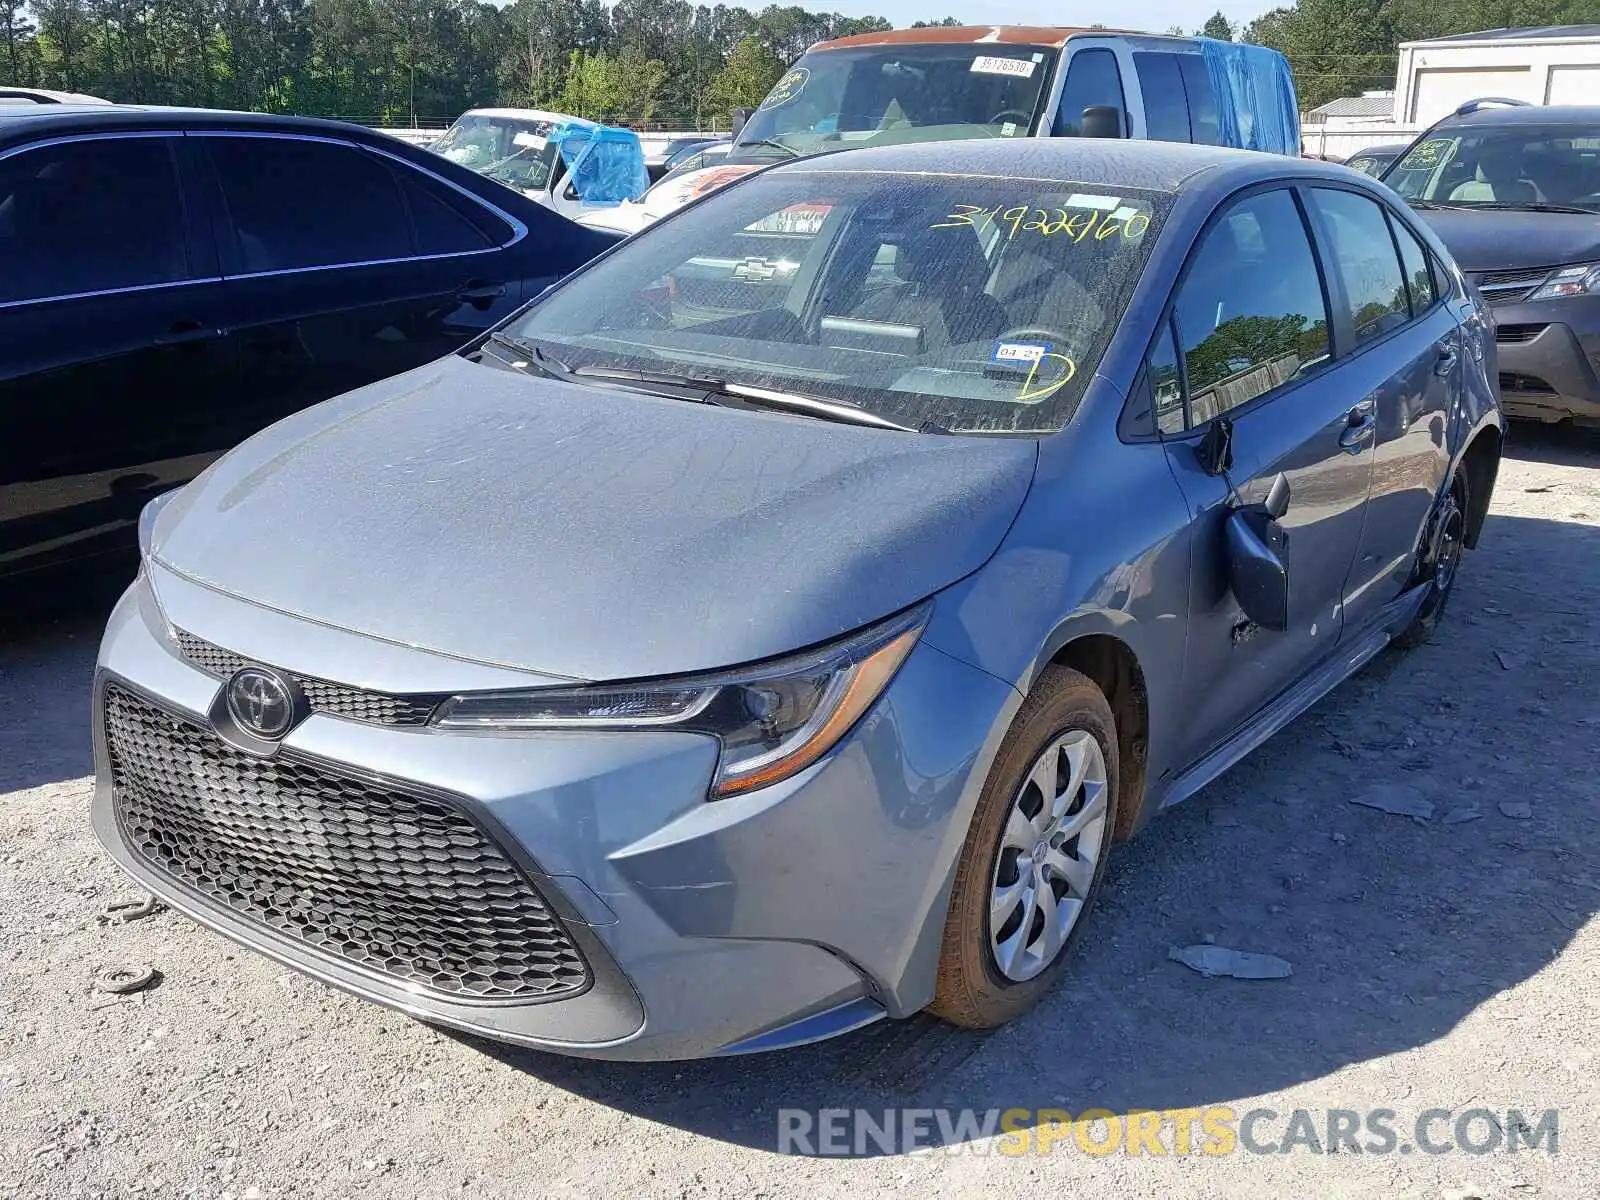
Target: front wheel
(1445, 544)
(1035, 855)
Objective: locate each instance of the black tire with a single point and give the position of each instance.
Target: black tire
(972, 990)
(1441, 582)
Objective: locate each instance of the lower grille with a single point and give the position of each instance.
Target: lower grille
(399, 884)
(1518, 333)
(1526, 384)
(334, 699)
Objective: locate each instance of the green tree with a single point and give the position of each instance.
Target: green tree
(1218, 26)
(751, 70)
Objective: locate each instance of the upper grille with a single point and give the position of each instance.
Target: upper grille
(400, 884)
(335, 699)
(1511, 286)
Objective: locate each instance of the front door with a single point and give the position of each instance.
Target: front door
(1249, 343)
(115, 365)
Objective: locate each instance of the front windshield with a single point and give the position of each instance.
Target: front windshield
(879, 94)
(1507, 166)
(977, 304)
(510, 150)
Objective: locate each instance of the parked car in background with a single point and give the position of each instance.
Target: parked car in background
(698, 154)
(1374, 160)
(565, 163)
(783, 617)
(19, 95)
(941, 83)
(172, 281)
(1514, 191)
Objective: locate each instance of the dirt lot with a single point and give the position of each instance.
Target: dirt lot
(1451, 963)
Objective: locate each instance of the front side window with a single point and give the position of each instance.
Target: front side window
(1363, 255)
(90, 216)
(1507, 166)
(1250, 312)
(980, 305)
(1419, 275)
(875, 95)
(1093, 80)
(295, 203)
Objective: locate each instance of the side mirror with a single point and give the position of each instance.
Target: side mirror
(1256, 544)
(1102, 121)
(741, 117)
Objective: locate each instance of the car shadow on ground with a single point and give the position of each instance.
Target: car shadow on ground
(1398, 930)
(50, 627)
(1557, 445)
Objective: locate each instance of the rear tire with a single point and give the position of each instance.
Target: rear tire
(1034, 857)
(1451, 523)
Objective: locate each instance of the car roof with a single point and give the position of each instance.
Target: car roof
(31, 121)
(1526, 114)
(1003, 35)
(1159, 166)
(524, 114)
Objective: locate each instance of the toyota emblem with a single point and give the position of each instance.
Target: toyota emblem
(261, 702)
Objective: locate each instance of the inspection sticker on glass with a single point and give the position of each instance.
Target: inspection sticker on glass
(528, 139)
(991, 64)
(1019, 354)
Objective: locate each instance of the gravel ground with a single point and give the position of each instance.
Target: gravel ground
(1449, 963)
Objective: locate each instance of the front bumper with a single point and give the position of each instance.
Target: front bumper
(754, 922)
(1549, 355)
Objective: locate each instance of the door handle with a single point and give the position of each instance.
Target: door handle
(1359, 429)
(180, 332)
(1446, 361)
(481, 293)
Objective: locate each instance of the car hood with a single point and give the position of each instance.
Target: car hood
(586, 532)
(1499, 240)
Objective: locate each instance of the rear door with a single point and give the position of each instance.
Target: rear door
(115, 360)
(1403, 362)
(344, 266)
(1249, 341)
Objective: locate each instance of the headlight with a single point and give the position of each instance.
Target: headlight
(773, 719)
(1581, 280)
(147, 521)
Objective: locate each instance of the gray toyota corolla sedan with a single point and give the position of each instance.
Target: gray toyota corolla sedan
(772, 628)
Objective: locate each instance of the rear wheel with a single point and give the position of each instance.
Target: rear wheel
(1035, 855)
(1445, 544)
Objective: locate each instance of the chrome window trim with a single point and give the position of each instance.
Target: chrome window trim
(100, 136)
(518, 229)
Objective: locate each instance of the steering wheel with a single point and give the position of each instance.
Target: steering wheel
(1022, 117)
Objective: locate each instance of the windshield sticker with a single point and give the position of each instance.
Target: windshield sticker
(800, 219)
(1079, 200)
(528, 139)
(1426, 155)
(787, 88)
(989, 64)
(1014, 353)
(1009, 128)
(1128, 223)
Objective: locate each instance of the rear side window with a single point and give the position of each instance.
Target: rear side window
(296, 203)
(1166, 112)
(1415, 260)
(1363, 255)
(1092, 79)
(90, 216)
(1204, 125)
(442, 227)
(1250, 313)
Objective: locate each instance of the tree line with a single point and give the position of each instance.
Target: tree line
(650, 63)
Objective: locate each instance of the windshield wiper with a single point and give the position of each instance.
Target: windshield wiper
(549, 364)
(814, 406)
(1439, 204)
(774, 142)
(1534, 206)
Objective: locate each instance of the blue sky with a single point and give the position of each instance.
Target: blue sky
(1152, 15)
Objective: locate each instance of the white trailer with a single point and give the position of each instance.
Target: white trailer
(1554, 65)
